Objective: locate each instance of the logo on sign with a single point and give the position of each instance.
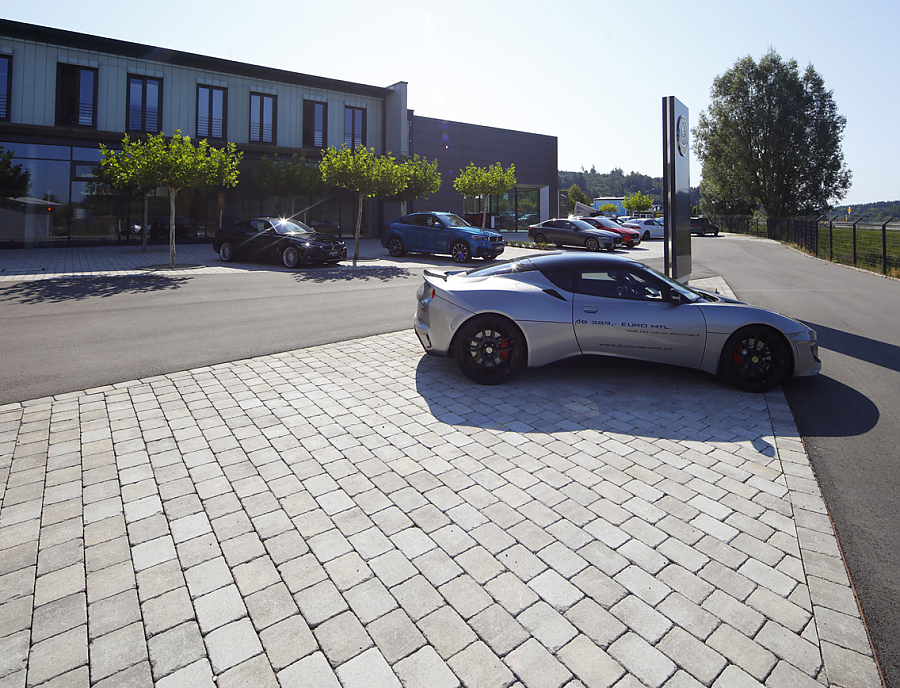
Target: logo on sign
(682, 136)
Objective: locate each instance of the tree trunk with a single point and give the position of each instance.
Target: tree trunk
(145, 229)
(484, 212)
(172, 227)
(358, 227)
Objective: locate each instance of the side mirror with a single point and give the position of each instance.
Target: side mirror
(675, 297)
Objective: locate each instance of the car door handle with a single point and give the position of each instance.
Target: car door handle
(589, 309)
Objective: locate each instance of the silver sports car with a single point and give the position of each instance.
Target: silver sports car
(531, 311)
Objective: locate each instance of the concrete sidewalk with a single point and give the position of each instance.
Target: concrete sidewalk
(360, 515)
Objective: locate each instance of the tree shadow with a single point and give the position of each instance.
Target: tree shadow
(361, 273)
(79, 288)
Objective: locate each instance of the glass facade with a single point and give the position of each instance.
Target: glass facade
(65, 205)
(514, 210)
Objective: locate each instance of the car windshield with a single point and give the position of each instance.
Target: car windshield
(452, 220)
(689, 294)
(291, 227)
(502, 268)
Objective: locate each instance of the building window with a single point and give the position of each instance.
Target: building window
(76, 96)
(5, 86)
(354, 127)
(212, 105)
(315, 132)
(144, 104)
(262, 118)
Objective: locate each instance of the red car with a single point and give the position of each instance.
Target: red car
(630, 237)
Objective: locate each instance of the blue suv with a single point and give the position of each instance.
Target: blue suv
(435, 232)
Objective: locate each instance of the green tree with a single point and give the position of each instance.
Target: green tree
(421, 179)
(485, 181)
(772, 137)
(14, 179)
(576, 195)
(608, 208)
(289, 179)
(360, 170)
(637, 202)
(176, 164)
(132, 170)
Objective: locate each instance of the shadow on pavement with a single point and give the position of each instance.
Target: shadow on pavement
(603, 394)
(824, 407)
(74, 289)
(360, 273)
(872, 351)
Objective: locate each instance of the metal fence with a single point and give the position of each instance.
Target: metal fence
(870, 245)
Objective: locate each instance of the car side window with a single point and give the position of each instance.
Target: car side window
(561, 279)
(619, 284)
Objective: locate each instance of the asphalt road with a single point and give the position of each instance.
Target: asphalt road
(71, 334)
(849, 415)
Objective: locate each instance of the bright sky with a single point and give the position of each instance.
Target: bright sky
(590, 72)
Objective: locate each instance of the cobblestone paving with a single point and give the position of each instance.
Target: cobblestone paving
(360, 515)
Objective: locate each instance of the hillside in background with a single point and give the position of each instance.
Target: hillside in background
(880, 211)
(617, 183)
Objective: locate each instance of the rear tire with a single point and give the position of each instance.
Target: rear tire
(756, 358)
(489, 349)
(540, 238)
(226, 252)
(395, 247)
(646, 235)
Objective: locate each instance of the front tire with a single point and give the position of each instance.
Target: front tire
(460, 252)
(756, 358)
(395, 247)
(226, 252)
(489, 349)
(591, 244)
(290, 257)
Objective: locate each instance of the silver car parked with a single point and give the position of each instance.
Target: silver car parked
(534, 310)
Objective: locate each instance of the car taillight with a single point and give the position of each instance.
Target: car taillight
(433, 292)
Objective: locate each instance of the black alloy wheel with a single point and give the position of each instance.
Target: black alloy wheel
(460, 252)
(540, 238)
(646, 235)
(290, 257)
(489, 349)
(591, 244)
(756, 358)
(226, 251)
(395, 247)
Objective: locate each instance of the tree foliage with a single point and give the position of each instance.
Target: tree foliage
(421, 179)
(637, 202)
(176, 164)
(289, 179)
(576, 195)
(14, 179)
(485, 181)
(359, 169)
(614, 183)
(772, 137)
(608, 208)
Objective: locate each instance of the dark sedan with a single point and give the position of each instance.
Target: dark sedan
(271, 238)
(574, 233)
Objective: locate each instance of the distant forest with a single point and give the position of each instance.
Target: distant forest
(880, 211)
(616, 183)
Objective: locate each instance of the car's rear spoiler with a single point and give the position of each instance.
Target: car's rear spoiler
(440, 274)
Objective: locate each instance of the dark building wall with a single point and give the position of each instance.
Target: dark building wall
(455, 144)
